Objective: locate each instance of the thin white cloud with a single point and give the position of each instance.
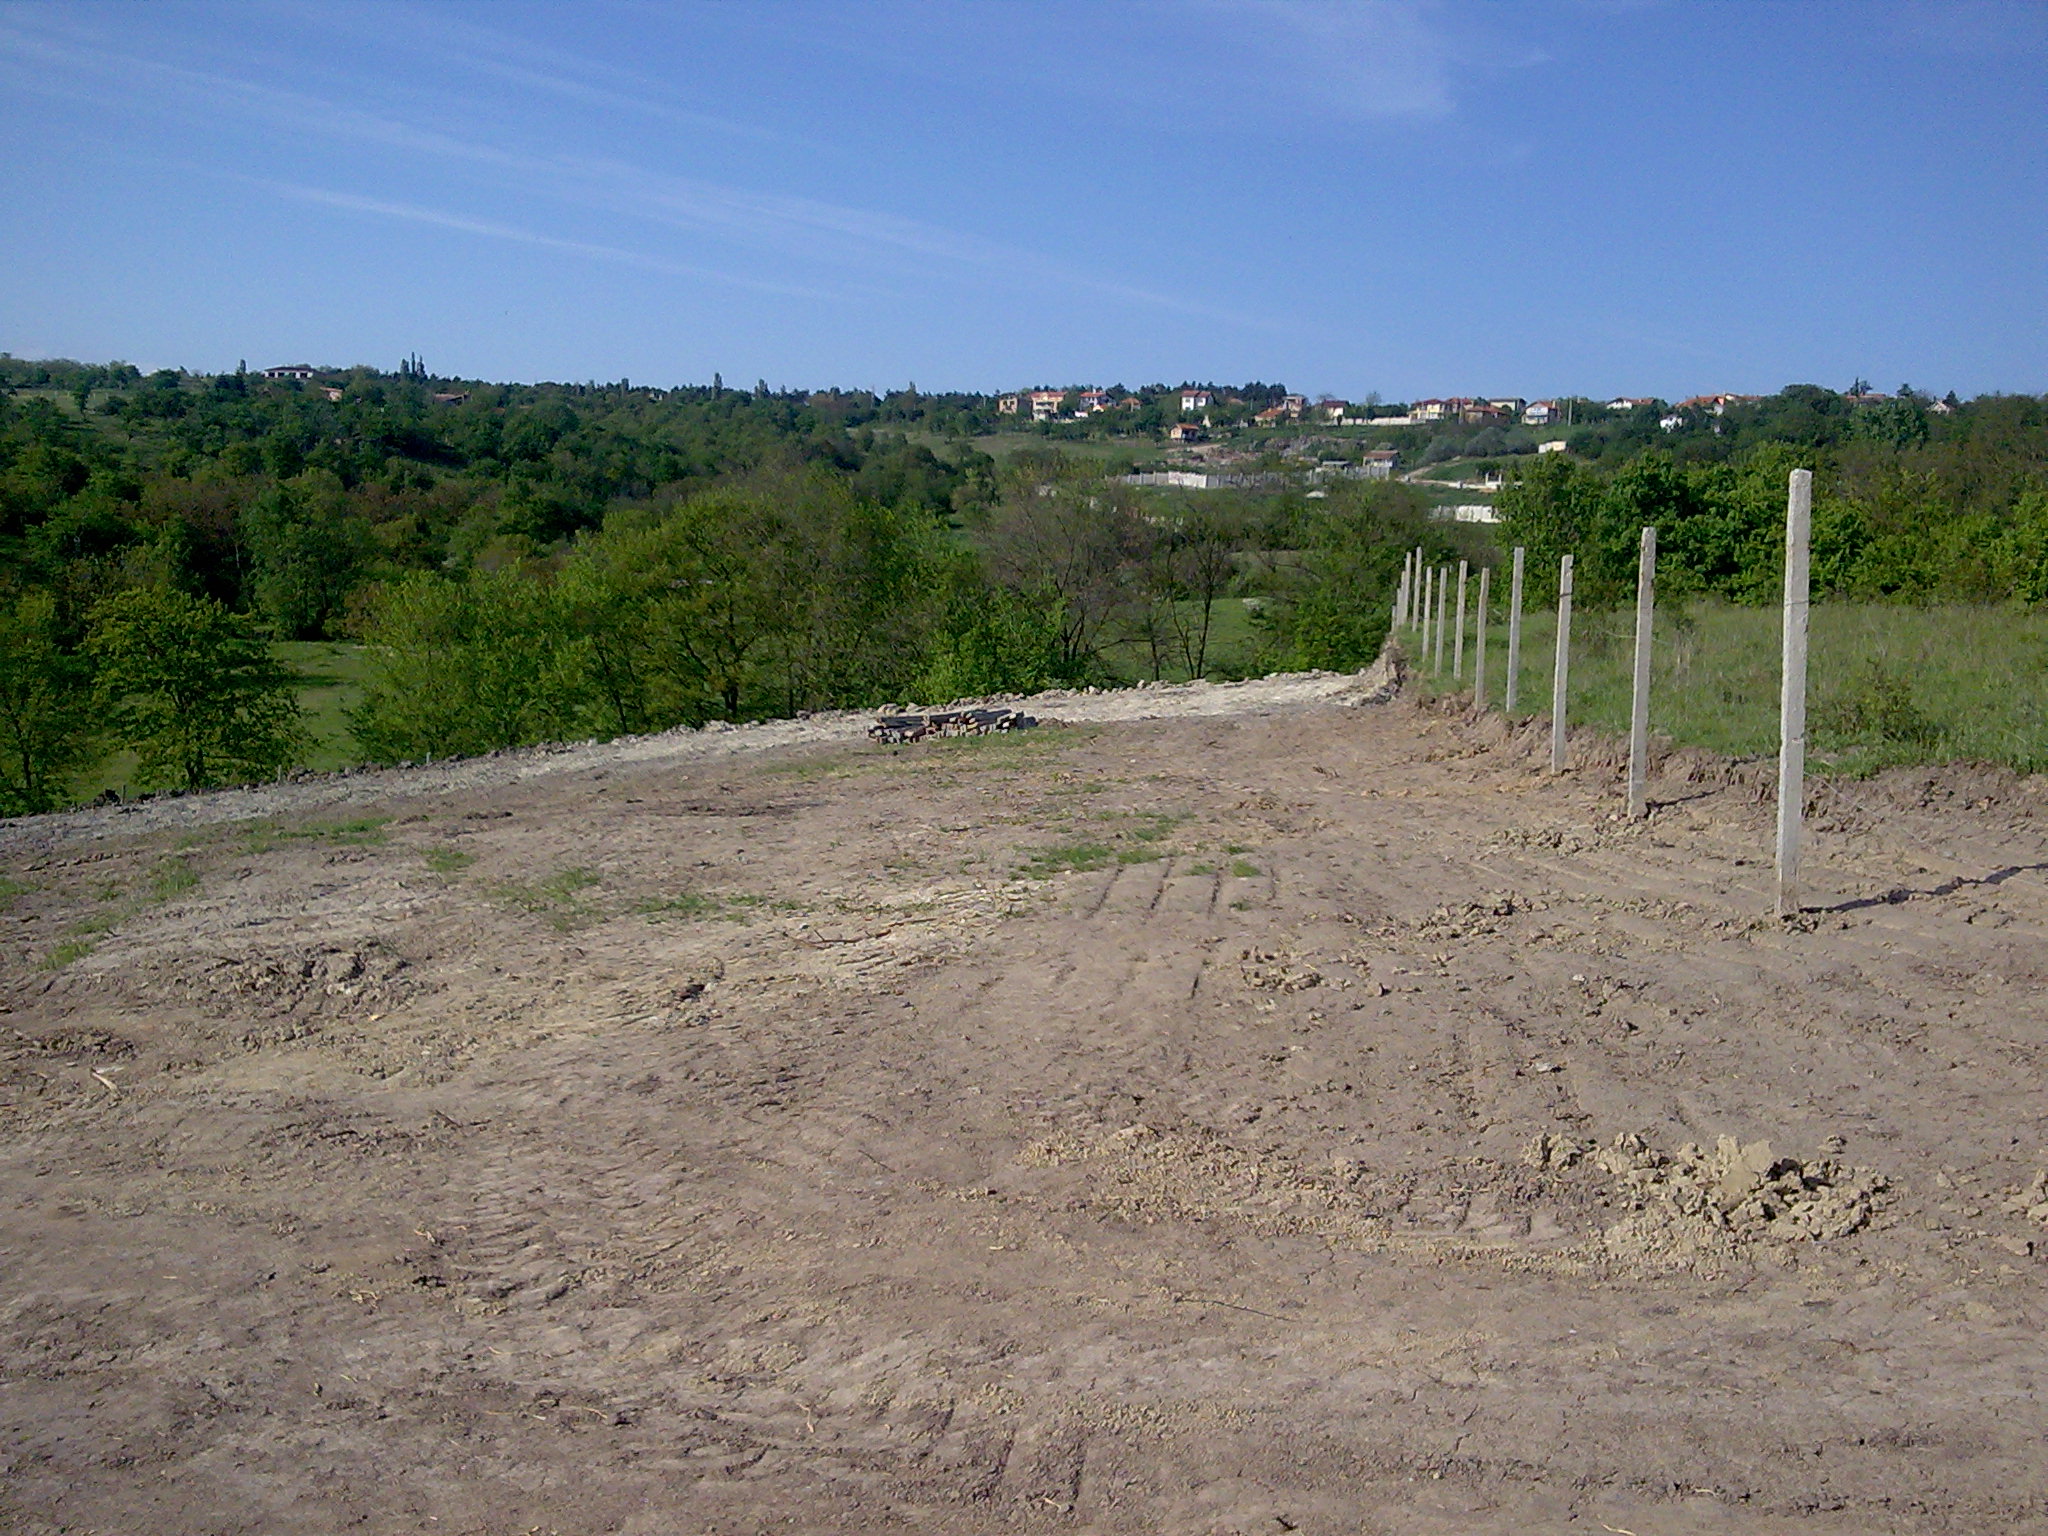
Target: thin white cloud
(803, 228)
(462, 224)
(1352, 58)
(460, 44)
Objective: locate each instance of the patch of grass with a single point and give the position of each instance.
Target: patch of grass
(689, 904)
(1243, 869)
(704, 904)
(1068, 858)
(1139, 855)
(10, 890)
(97, 922)
(331, 677)
(362, 832)
(1202, 869)
(559, 898)
(172, 877)
(1887, 683)
(65, 953)
(448, 861)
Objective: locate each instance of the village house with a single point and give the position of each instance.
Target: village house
(1623, 403)
(299, 371)
(1716, 405)
(1196, 400)
(1093, 400)
(1186, 432)
(1541, 413)
(1006, 405)
(1045, 403)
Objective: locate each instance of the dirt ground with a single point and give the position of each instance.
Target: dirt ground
(1287, 1112)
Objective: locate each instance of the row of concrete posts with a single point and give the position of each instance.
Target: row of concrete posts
(1424, 607)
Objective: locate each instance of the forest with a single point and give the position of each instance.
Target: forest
(523, 563)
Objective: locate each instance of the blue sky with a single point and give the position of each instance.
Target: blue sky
(1409, 198)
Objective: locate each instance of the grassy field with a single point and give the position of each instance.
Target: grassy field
(1887, 684)
(1233, 647)
(333, 674)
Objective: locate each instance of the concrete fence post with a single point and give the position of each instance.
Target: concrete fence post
(1443, 591)
(1479, 642)
(1561, 669)
(1514, 685)
(1401, 594)
(1639, 703)
(1418, 612)
(1458, 641)
(1428, 581)
(1792, 689)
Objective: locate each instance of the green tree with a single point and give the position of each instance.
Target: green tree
(307, 552)
(48, 727)
(1335, 607)
(195, 694)
(464, 666)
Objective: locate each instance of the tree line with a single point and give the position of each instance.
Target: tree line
(1952, 508)
(536, 562)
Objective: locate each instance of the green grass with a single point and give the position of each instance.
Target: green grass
(172, 877)
(1243, 869)
(448, 861)
(703, 904)
(361, 832)
(559, 898)
(66, 952)
(10, 890)
(1233, 650)
(1887, 684)
(332, 674)
(1067, 858)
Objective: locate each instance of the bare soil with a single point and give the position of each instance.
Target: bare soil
(1229, 1111)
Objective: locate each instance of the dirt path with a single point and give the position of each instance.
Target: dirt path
(1297, 1120)
(329, 792)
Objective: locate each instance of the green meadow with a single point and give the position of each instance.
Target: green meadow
(1887, 683)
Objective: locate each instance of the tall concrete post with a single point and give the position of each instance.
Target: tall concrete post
(1514, 685)
(1639, 704)
(1458, 641)
(1479, 642)
(1792, 689)
(1560, 670)
(1443, 591)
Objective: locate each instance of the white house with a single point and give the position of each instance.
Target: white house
(1196, 399)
